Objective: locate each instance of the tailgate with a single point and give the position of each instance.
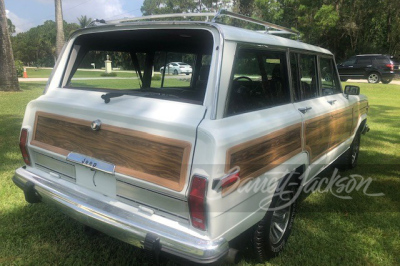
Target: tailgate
(150, 142)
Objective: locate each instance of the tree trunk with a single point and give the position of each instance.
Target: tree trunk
(60, 27)
(8, 73)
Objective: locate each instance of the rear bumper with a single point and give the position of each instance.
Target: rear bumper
(388, 75)
(122, 221)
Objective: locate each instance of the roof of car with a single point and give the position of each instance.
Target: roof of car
(228, 32)
(371, 55)
(250, 36)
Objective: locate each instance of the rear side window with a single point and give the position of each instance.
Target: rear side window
(304, 76)
(364, 61)
(259, 81)
(329, 80)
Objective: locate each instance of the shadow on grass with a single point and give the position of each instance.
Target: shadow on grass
(40, 234)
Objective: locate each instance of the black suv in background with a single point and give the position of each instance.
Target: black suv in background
(373, 67)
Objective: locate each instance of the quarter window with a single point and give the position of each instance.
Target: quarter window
(259, 81)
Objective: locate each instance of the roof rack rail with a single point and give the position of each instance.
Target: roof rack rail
(175, 15)
(276, 29)
(270, 28)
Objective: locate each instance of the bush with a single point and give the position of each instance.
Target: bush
(112, 74)
(19, 67)
(156, 77)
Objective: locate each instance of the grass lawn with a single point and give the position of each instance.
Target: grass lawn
(327, 230)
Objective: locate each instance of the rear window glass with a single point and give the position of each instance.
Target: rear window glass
(173, 64)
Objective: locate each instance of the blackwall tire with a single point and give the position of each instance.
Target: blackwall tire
(273, 231)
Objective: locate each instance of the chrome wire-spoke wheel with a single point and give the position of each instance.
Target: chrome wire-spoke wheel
(280, 221)
(373, 78)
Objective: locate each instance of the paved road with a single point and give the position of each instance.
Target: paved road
(396, 82)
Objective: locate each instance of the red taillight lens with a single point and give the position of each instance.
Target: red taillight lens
(23, 141)
(197, 202)
(391, 66)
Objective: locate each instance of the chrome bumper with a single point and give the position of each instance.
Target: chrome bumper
(110, 216)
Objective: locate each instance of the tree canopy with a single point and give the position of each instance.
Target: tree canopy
(84, 21)
(38, 45)
(11, 27)
(344, 27)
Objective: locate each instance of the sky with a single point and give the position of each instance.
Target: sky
(26, 14)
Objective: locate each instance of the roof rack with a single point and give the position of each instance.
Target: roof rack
(270, 28)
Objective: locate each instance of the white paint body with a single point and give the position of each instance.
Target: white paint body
(204, 126)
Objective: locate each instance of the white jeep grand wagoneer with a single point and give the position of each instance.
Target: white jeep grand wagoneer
(182, 165)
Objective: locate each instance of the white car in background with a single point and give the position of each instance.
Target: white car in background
(177, 68)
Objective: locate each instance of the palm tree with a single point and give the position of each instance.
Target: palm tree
(60, 29)
(8, 73)
(84, 21)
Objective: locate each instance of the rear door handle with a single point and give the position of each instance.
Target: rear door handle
(331, 102)
(304, 109)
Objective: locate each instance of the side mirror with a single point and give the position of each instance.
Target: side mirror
(351, 90)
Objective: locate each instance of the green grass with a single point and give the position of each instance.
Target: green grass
(45, 73)
(327, 230)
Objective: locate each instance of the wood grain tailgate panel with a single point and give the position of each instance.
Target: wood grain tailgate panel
(260, 155)
(156, 159)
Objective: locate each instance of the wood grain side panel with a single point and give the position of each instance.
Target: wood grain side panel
(341, 126)
(359, 109)
(317, 136)
(160, 160)
(262, 154)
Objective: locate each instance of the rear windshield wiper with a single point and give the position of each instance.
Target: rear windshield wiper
(106, 97)
(146, 93)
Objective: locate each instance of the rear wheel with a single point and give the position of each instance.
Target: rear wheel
(374, 77)
(386, 81)
(273, 231)
(343, 79)
(175, 72)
